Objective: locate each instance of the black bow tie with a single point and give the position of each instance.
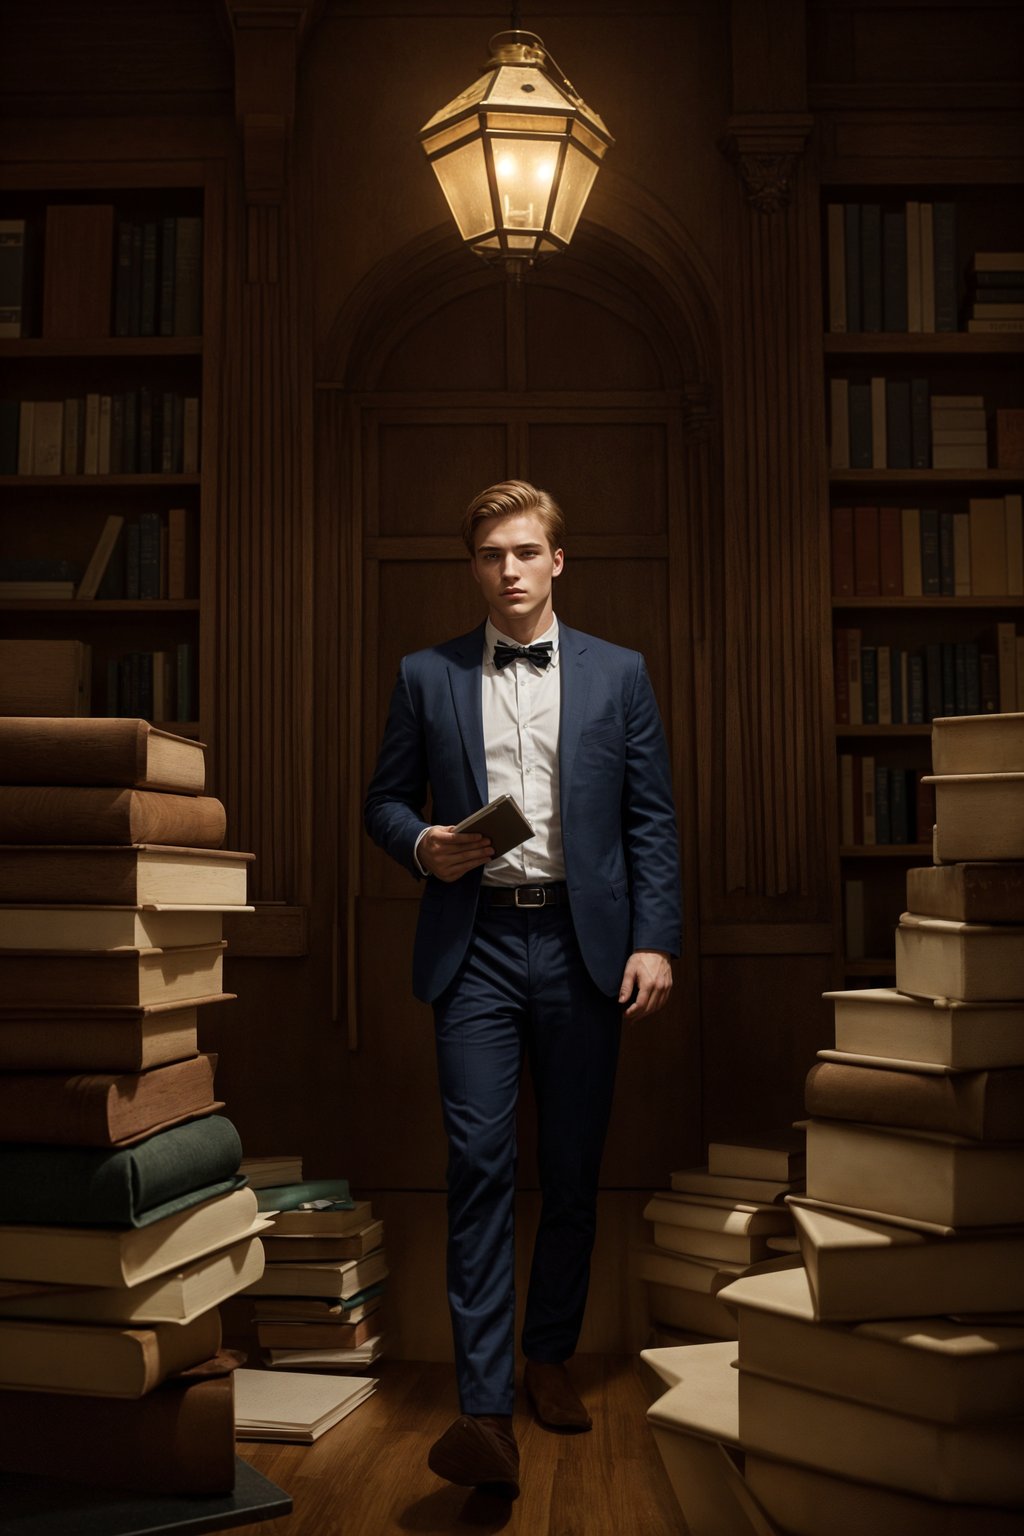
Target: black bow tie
(540, 654)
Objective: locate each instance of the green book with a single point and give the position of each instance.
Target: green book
(288, 1197)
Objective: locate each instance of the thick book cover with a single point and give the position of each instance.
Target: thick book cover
(745, 1218)
(59, 814)
(91, 1040)
(46, 926)
(130, 977)
(299, 1247)
(978, 744)
(143, 875)
(332, 1335)
(103, 1110)
(99, 1359)
(129, 1186)
(968, 893)
(334, 1280)
(698, 1181)
(978, 816)
(972, 962)
(767, 1157)
(985, 1106)
(502, 822)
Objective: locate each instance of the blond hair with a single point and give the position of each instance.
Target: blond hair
(514, 498)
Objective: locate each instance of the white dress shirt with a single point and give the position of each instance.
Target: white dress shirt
(521, 711)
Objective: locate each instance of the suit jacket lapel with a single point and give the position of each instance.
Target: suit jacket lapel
(464, 676)
(574, 686)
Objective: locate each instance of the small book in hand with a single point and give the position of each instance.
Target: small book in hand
(501, 822)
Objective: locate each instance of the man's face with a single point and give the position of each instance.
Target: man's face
(514, 566)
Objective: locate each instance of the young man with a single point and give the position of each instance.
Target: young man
(544, 950)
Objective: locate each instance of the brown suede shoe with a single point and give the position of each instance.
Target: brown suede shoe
(554, 1398)
(478, 1452)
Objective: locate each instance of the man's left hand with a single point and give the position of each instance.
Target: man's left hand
(650, 972)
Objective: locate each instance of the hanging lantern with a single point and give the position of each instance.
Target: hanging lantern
(516, 155)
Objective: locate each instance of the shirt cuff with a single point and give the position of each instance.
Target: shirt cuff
(416, 851)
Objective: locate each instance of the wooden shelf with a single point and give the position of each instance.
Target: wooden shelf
(81, 482)
(925, 344)
(886, 851)
(926, 476)
(883, 730)
(23, 347)
(101, 605)
(928, 603)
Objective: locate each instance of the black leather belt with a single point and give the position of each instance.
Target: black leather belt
(553, 893)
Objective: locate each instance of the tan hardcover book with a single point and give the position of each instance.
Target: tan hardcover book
(178, 1439)
(696, 1243)
(84, 1038)
(942, 1180)
(100, 559)
(125, 1255)
(101, 1360)
(698, 1181)
(932, 1368)
(47, 437)
(794, 1497)
(326, 1359)
(299, 1248)
(143, 875)
(320, 1223)
(337, 1335)
(311, 1309)
(329, 1279)
(81, 927)
(101, 1109)
(78, 265)
(180, 1296)
(736, 1218)
(985, 1106)
(690, 1274)
(974, 962)
(269, 1172)
(694, 1311)
(988, 546)
(296, 1408)
(883, 1023)
(118, 977)
(959, 456)
(779, 1157)
(973, 1463)
(502, 822)
(974, 437)
(978, 744)
(37, 813)
(968, 893)
(44, 677)
(860, 1267)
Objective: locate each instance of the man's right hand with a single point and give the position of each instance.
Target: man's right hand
(449, 855)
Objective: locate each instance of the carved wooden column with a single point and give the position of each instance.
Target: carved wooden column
(262, 722)
(772, 808)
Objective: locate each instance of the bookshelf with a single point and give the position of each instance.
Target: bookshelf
(105, 381)
(921, 625)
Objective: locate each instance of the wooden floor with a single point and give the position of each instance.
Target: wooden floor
(368, 1476)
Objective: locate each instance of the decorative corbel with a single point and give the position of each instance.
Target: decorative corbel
(765, 148)
(267, 36)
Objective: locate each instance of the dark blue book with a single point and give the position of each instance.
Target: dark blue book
(898, 818)
(149, 533)
(960, 678)
(132, 578)
(915, 688)
(931, 578)
(168, 241)
(972, 668)
(896, 684)
(933, 681)
(860, 426)
(920, 424)
(897, 424)
(871, 266)
(851, 227)
(869, 684)
(894, 270)
(944, 243)
(883, 823)
(948, 652)
(947, 570)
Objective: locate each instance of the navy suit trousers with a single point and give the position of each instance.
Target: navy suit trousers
(521, 988)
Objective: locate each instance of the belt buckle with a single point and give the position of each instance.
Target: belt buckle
(537, 890)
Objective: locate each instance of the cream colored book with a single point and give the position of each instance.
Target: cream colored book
(336, 1280)
(881, 1023)
(968, 893)
(117, 977)
(294, 1406)
(734, 1218)
(692, 1311)
(978, 816)
(698, 1181)
(694, 1242)
(110, 927)
(780, 1157)
(929, 1367)
(99, 1360)
(974, 962)
(691, 1274)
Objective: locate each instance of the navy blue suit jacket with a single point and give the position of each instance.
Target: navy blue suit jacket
(618, 818)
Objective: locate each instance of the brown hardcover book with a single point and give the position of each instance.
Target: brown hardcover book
(103, 1110)
(968, 893)
(309, 1309)
(130, 754)
(101, 1359)
(1010, 438)
(890, 550)
(118, 977)
(88, 1039)
(336, 1281)
(44, 677)
(842, 552)
(78, 268)
(143, 875)
(337, 1335)
(297, 1248)
(316, 1223)
(67, 814)
(867, 581)
(179, 1438)
(985, 1106)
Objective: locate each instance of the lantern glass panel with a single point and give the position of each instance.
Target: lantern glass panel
(451, 135)
(524, 170)
(525, 122)
(577, 178)
(463, 178)
(590, 140)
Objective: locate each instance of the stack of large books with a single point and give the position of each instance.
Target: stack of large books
(318, 1304)
(123, 1218)
(714, 1223)
(881, 1386)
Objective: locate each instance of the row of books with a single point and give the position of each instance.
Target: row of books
(102, 275)
(714, 1223)
(153, 685)
(143, 559)
(921, 552)
(880, 1383)
(888, 685)
(144, 431)
(124, 1219)
(892, 423)
(995, 297)
(880, 804)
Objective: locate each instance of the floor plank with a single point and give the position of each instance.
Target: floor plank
(368, 1475)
